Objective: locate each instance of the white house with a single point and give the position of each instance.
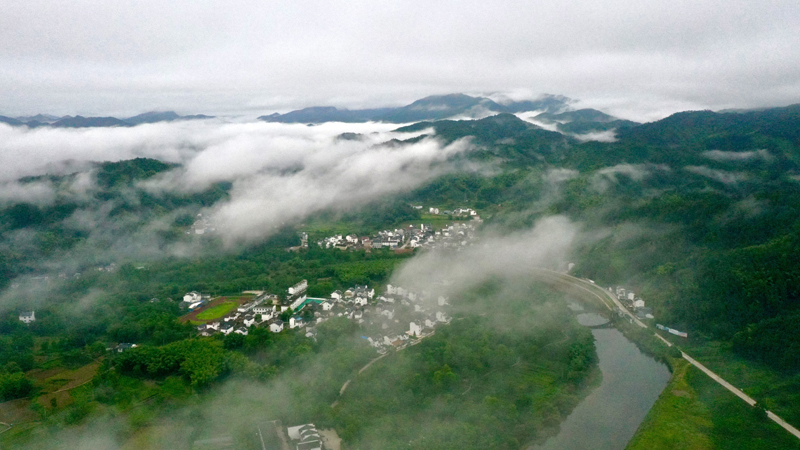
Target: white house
(631, 296)
(27, 316)
(305, 436)
(298, 288)
(326, 306)
(360, 301)
(249, 320)
(639, 303)
(430, 322)
(246, 307)
(296, 321)
(442, 300)
(226, 328)
(241, 330)
(192, 297)
(263, 310)
(276, 325)
(414, 329)
(336, 295)
(441, 317)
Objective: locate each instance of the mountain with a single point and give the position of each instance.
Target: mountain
(41, 120)
(438, 107)
(319, 114)
(10, 121)
(435, 107)
(722, 131)
(162, 116)
(583, 121)
(580, 115)
(547, 103)
(152, 117)
(86, 122)
(504, 136)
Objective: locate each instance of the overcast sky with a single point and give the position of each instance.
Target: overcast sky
(637, 58)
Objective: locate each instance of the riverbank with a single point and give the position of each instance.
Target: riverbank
(695, 413)
(677, 419)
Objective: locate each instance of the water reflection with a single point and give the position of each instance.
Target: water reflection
(610, 415)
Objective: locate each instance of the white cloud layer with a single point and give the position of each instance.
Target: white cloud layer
(636, 59)
(279, 172)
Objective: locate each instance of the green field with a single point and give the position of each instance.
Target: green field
(694, 412)
(217, 311)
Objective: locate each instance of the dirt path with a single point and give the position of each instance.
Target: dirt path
(331, 439)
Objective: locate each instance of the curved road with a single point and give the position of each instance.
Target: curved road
(595, 291)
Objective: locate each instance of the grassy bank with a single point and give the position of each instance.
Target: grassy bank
(696, 413)
(677, 420)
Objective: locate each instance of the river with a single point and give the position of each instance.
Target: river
(608, 417)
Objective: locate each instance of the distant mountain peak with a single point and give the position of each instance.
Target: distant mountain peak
(432, 107)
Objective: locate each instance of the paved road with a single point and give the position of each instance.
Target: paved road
(594, 291)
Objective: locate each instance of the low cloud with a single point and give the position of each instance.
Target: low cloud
(38, 193)
(338, 178)
(560, 175)
(546, 245)
(719, 155)
(599, 136)
(604, 178)
(721, 176)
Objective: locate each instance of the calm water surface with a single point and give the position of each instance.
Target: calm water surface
(610, 415)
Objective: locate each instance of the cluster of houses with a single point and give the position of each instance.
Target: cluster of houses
(424, 236)
(391, 320)
(201, 225)
(108, 268)
(458, 212)
(634, 303)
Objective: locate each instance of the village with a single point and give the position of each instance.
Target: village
(455, 236)
(390, 320)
